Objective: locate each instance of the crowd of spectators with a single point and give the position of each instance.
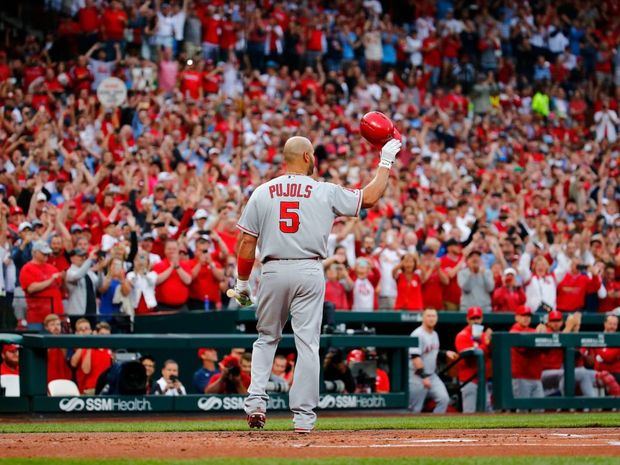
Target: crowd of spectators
(505, 193)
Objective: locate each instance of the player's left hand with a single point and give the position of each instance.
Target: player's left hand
(389, 152)
(451, 355)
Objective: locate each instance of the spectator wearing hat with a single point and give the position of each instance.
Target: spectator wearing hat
(22, 251)
(552, 376)
(210, 367)
(408, 284)
(473, 336)
(451, 263)
(141, 282)
(509, 295)
(82, 282)
(476, 283)
(173, 279)
(10, 360)
(42, 285)
(525, 362)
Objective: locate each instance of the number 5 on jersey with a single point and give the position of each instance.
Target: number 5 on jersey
(289, 217)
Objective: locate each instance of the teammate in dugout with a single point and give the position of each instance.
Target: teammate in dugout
(289, 218)
(473, 336)
(526, 362)
(423, 381)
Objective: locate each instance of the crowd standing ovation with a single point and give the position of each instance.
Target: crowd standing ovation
(505, 193)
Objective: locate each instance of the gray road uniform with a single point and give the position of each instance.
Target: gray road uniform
(292, 217)
(428, 350)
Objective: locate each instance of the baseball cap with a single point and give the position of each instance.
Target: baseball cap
(41, 197)
(78, 252)
(16, 210)
(202, 350)
(596, 238)
(41, 246)
(147, 236)
(36, 223)
(555, 315)
(474, 312)
(511, 271)
(24, 225)
(9, 348)
(523, 310)
(76, 227)
(201, 214)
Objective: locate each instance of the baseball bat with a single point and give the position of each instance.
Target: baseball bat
(243, 299)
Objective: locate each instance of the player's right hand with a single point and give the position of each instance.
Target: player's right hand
(389, 152)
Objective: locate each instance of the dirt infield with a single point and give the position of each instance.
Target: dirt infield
(395, 443)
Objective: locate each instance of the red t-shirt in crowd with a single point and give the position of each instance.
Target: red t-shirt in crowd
(431, 57)
(432, 292)
(507, 300)
(451, 291)
(526, 363)
(467, 367)
(88, 18)
(59, 261)
(113, 22)
(100, 361)
(336, 294)
(409, 293)
(190, 83)
(228, 37)
(57, 366)
(572, 291)
(204, 284)
(210, 28)
(172, 291)
(609, 303)
(42, 303)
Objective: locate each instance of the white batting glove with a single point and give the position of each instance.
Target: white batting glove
(243, 287)
(389, 152)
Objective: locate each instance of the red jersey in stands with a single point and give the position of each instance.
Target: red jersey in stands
(432, 292)
(507, 299)
(572, 291)
(204, 284)
(57, 366)
(409, 293)
(526, 363)
(113, 22)
(336, 294)
(100, 360)
(42, 303)
(172, 292)
(451, 291)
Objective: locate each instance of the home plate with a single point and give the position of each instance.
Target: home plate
(614, 443)
(422, 441)
(567, 435)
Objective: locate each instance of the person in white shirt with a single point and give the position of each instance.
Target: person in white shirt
(169, 384)
(388, 258)
(142, 282)
(363, 289)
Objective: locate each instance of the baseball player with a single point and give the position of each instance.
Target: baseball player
(526, 362)
(289, 218)
(423, 381)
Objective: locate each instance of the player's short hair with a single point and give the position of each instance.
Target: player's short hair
(49, 318)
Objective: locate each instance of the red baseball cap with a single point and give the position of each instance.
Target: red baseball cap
(202, 350)
(555, 315)
(523, 310)
(16, 210)
(9, 348)
(474, 312)
(356, 355)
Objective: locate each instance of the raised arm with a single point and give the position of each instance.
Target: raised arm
(375, 189)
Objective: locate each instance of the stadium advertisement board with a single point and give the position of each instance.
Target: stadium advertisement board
(198, 403)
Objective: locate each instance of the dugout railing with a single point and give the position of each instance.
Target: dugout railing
(33, 373)
(569, 343)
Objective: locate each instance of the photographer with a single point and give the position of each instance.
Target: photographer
(169, 384)
(336, 373)
(230, 380)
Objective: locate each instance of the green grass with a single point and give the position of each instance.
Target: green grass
(555, 420)
(332, 461)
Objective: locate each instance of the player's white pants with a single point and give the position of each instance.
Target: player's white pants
(554, 379)
(528, 388)
(469, 397)
(418, 394)
(298, 287)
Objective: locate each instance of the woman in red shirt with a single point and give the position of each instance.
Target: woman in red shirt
(409, 284)
(433, 279)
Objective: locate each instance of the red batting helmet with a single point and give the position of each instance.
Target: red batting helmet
(377, 128)
(356, 355)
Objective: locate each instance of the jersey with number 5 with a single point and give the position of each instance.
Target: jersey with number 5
(292, 215)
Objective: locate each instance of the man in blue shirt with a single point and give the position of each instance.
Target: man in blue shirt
(210, 367)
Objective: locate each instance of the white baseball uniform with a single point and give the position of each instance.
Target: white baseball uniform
(427, 350)
(292, 216)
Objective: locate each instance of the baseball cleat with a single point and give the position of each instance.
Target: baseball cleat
(303, 430)
(257, 420)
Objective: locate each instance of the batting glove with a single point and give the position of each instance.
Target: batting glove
(243, 292)
(389, 152)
